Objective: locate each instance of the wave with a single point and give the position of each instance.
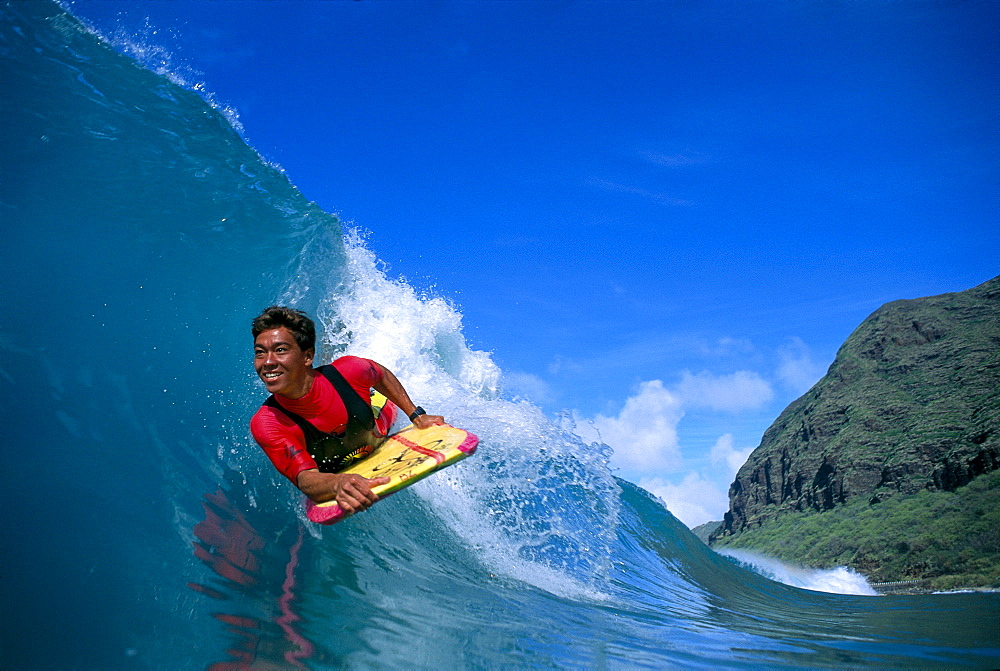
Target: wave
(141, 236)
(839, 580)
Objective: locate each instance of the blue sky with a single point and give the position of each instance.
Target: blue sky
(653, 214)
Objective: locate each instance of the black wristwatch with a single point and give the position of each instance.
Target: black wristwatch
(416, 413)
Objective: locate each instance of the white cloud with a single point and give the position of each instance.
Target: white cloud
(694, 501)
(723, 452)
(661, 198)
(646, 446)
(644, 434)
(528, 386)
(676, 160)
(798, 371)
(724, 347)
(561, 365)
(742, 390)
(697, 499)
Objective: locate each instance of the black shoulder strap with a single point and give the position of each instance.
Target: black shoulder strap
(357, 408)
(311, 432)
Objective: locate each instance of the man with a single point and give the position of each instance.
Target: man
(318, 420)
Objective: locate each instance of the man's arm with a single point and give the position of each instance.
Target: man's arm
(392, 389)
(351, 491)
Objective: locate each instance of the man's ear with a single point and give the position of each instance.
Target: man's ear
(309, 354)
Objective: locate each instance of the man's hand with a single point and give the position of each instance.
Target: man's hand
(426, 421)
(352, 492)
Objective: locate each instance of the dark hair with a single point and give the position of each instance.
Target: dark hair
(296, 321)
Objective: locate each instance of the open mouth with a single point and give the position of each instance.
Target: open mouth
(271, 375)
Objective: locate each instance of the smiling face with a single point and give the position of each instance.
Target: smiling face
(281, 363)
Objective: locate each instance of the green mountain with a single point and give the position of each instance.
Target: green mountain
(705, 531)
(889, 463)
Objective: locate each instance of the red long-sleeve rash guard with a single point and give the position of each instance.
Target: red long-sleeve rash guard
(283, 440)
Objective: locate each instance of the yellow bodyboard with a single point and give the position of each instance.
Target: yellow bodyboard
(405, 458)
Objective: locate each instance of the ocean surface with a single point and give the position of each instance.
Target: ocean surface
(143, 529)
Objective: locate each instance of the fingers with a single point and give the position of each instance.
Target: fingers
(355, 493)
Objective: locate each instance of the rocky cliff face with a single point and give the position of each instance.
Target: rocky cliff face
(911, 402)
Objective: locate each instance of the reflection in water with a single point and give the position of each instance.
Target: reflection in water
(246, 565)
(288, 616)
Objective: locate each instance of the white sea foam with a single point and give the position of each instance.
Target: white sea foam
(839, 580)
(535, 503)
(419, 338)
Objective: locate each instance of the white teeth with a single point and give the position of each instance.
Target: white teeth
(271, 376)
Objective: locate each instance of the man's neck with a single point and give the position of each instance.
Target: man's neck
(307, 387)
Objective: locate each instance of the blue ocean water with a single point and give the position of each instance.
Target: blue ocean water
(144, 529)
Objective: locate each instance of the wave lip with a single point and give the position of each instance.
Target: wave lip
(839, 580)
